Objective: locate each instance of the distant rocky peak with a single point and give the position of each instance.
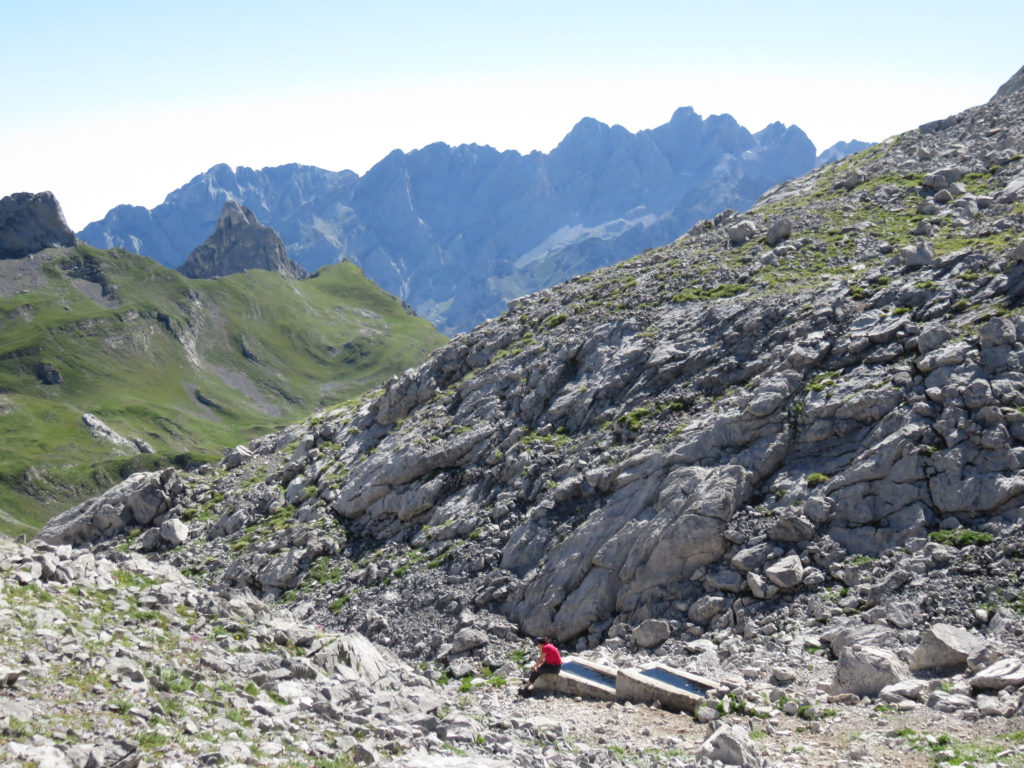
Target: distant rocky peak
(31, 222)
(240, 242)
(234, 215)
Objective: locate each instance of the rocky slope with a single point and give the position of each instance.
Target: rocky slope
(783, 452)
(239, 243)
(457, 231)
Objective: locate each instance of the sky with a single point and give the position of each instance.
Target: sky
(110, 102)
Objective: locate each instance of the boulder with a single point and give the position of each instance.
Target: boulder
(864, 670)
(920, 255)
(651, 633)
(732, 745)
(786, 572)
(468, 638)
(944, 646)
(742, 231)
(174, 532)
(1006, 673)
(238, 456)
(779, 230)
(943, 178)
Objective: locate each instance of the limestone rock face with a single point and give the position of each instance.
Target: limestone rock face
(31, 222)
(239, 243)
(699, 436)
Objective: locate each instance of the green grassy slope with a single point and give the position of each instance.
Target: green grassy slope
(190, 366)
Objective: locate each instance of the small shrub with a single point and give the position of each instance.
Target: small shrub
(962, 537)
(553, 321)
(816, 478)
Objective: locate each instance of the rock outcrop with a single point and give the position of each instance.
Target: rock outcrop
(31, 222)
(239, 243)
(458, 231)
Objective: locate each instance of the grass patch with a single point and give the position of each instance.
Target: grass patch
(297, 345)
(961, 537)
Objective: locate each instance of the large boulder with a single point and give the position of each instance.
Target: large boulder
(944, 646)
(864, 670)
(732, 745)
(1005, 673)
(31, 222)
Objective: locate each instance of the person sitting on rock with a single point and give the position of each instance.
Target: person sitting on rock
(548, 663)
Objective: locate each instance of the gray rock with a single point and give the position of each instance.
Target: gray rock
(779, 230)
(651, 633)
(31, 222)
(944, 646)
(943, 178)
(949, 702)
(865, 671)
(467, 639)
(238, 456)
(174, 532)
(731, 745)
(238, 243)
(919, 255)
(1006, 673)
(742, 231)
(786, 572)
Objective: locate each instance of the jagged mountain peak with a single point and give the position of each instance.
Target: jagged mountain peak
(238, 243)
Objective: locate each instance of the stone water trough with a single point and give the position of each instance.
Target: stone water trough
(674, 689)
(581, 678)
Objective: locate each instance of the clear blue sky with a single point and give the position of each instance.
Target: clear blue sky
(112, 102)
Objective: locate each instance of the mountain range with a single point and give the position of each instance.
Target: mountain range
(457, 232)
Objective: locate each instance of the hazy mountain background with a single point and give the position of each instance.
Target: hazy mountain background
(458, 231)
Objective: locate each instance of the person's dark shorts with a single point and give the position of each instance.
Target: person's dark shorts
(545, 669)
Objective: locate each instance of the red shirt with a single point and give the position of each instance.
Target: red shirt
(551, 654)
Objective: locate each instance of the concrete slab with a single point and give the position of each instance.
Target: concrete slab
(581, 678)
(676, 690)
